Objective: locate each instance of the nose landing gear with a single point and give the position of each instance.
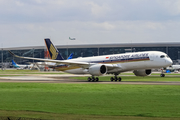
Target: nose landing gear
(162, 73)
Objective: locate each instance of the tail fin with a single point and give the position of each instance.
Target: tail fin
(70, 56)
(53, 52)
(13, 63)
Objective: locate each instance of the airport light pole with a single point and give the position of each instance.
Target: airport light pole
(67, 50)
(33, 55)
(98, 51)
(2, 67)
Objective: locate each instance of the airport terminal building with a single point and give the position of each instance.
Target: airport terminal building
(172, 49)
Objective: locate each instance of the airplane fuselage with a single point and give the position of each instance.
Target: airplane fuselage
(122, 62)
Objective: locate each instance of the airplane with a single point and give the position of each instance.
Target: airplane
(72, 38)
(174, 68)
(141, 63)
(18, 66)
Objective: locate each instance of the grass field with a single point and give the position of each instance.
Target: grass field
(3, 72)
(91, 101)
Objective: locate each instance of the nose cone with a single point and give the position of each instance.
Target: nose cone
(169, 62)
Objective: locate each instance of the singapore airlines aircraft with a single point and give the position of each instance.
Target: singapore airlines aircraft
(141, 63)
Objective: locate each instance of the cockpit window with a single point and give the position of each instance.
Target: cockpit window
(162, 56)
(167, 56)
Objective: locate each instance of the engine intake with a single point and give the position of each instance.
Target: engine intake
(97, 70)
(142, 72)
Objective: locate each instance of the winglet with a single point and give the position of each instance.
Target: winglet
(12, 53)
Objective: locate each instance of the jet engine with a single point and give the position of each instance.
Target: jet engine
(97, 70)
(142, 72)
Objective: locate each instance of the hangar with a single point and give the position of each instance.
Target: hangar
(85, 50)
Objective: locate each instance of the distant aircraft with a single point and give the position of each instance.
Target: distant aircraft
(18, 66)
(72, 38)
(141, 63)
(175, 68)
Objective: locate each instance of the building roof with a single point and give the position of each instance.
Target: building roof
(166, 44)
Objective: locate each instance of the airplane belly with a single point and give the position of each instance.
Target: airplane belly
(71, 69)
(77, 71)
(135, 65)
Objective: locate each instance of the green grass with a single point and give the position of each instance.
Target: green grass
(29, 72)
(8, 75)
(91, 99)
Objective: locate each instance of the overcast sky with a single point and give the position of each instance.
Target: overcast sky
(28, 22)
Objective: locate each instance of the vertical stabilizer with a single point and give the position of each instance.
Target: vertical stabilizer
(70, 56)
(13, 63)
(53, 52)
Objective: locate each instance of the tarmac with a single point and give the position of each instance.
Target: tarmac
(66, 78)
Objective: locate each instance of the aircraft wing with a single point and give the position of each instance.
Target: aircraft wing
(67, 62)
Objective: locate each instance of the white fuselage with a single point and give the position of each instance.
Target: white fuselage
(122, 62)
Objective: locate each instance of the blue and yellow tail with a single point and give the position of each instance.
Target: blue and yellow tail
(53, 52)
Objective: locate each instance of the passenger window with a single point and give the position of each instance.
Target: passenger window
(162, 56)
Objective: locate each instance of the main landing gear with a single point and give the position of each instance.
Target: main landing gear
(93, 79)
(96, 79)
(115, 78)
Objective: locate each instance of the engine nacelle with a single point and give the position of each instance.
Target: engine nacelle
(142, 72)
(97, 70)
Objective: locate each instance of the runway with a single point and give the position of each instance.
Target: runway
(66, 78)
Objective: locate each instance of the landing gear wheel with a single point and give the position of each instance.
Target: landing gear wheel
(89, 79)
(97, 79)
(116, 79)
(92, 79)
(162, 75)
(112, 78)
